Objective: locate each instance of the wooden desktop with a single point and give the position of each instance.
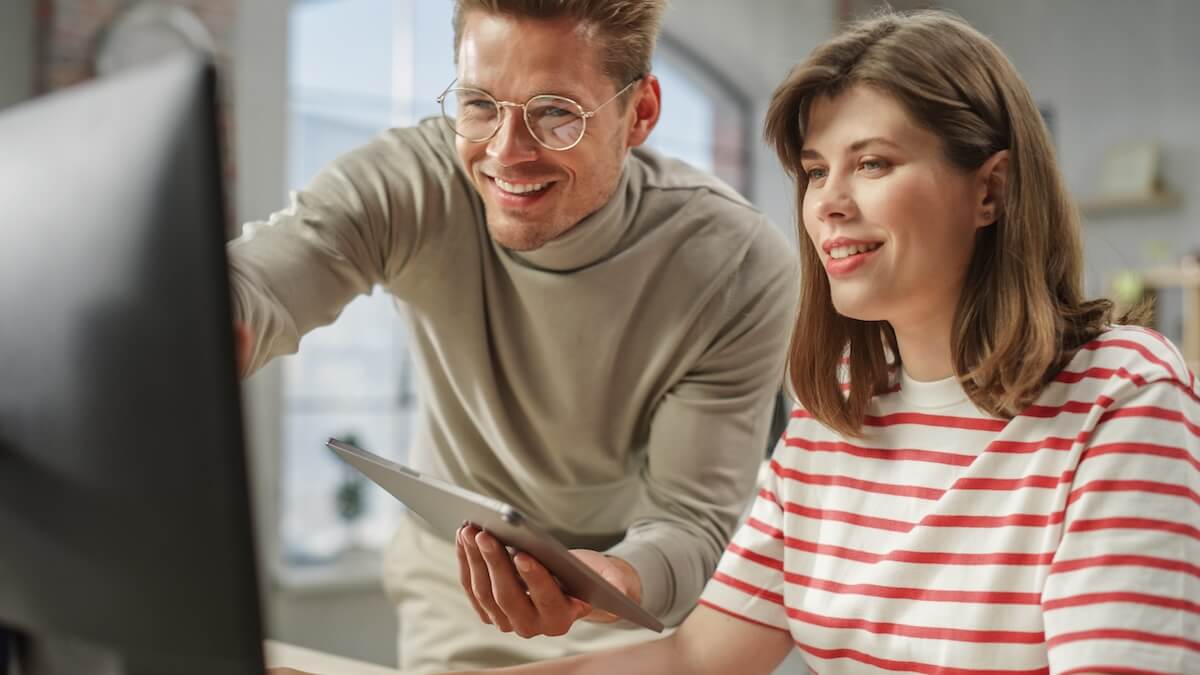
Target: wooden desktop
(281, 654)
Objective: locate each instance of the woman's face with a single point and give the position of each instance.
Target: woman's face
(893, 222)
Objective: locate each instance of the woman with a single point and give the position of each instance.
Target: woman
(984, 474)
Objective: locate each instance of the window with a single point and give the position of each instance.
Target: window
(354, 378)
(705, 121)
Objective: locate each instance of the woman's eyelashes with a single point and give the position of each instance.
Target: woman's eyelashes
(870, 166)
(815, 173)
(874, 165)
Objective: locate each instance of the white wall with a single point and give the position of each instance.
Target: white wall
(16, 51)
(1113, 71)
(259, 49)
(259, 69)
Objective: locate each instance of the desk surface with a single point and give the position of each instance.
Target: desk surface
(282, 654)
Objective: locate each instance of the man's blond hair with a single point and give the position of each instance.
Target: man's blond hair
(627, 29)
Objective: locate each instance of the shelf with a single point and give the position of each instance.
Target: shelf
(1172, 277)
(1111, 206)
(1186, 278)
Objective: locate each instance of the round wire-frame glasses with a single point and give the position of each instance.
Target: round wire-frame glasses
(556, 122)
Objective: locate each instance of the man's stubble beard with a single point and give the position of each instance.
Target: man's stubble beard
(524, 238)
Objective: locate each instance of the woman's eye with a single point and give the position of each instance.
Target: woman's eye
(872, 165)
(816, 173)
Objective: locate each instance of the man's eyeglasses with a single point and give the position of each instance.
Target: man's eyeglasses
(556, 122)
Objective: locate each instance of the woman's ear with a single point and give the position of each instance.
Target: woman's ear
(992, 183)
(645, 107)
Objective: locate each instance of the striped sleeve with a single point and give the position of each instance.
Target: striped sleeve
(748, 583)
(1123, 593)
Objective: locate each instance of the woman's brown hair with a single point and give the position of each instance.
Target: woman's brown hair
(1022, 314)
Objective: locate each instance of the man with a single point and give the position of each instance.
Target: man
(598, 333)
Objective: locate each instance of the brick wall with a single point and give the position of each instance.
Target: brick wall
(70, 30)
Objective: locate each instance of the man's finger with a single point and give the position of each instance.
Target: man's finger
(507, 587)
(615, 571)
(464, 575)
(544, 591)
(580, 608)
(243, 346)
(557, 609)
(481, 580)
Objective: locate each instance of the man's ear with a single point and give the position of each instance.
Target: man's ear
(992, 186)
(644, 109)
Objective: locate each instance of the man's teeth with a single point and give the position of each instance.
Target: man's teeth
(839, 252)
(520, 189)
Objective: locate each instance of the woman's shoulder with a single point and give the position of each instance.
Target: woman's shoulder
(1134, 353)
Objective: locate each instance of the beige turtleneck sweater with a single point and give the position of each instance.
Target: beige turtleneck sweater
(615, 385)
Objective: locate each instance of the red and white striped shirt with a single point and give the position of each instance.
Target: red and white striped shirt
(947, 541)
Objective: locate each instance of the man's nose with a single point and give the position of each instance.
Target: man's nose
(512, 143)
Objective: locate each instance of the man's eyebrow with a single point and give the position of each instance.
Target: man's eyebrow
(467, 84)
(548, 91)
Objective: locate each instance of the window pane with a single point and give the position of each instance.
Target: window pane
(351, 379)
(432, 39)
(704, 121)
(685, 128)
(339, 90)
(316, 525)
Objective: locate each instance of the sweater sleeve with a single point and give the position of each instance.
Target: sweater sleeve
(708, 435)
(357, 224)
(748, 583)
(1123, 593)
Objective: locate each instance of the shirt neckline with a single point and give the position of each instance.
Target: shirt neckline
(936, 394)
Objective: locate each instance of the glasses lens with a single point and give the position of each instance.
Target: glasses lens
(472, 114)
(556, 121)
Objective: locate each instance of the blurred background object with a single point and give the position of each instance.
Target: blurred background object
(148, 31)
(1173, 292)
(1130, 180)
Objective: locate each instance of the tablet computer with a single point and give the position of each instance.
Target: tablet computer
(446, 507)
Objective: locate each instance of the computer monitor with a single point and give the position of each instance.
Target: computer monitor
(126, 543)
